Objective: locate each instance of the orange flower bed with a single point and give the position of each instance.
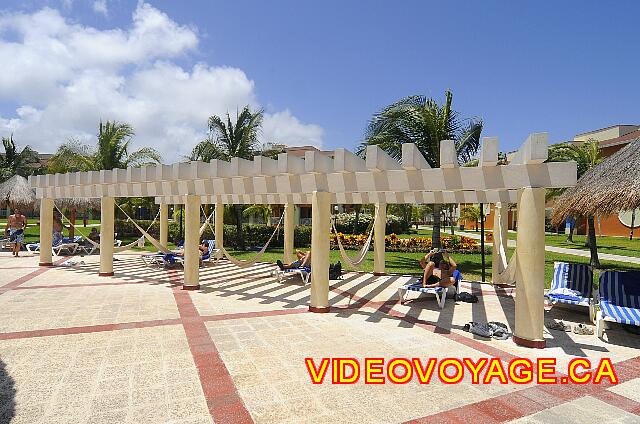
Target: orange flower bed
(395, 243)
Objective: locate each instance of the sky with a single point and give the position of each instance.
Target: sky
(320, 70)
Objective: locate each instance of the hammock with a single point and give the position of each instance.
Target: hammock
(75, 228)
(250, 262)
(118, 249)
(148, 236)
(207, 219)
(508, 273)
(359, 258)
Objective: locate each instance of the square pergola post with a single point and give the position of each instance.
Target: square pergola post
(530, 269)
(46, 232)
(320, 228)
(107, 205)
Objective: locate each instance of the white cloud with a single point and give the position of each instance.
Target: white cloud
(65, 77)
(100, 6)
(282, 127)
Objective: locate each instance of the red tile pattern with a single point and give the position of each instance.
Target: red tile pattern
(224, 403)
(21, 280)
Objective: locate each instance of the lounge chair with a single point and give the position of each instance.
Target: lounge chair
(572, 277)
(619, 299)
(213, 255)
(439, 292)
(304, 273)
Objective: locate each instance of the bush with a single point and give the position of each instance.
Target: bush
(346, 221)
(412, 244)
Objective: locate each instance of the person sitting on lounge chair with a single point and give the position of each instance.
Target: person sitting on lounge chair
(94, 235)
(438, 269)
(203, 247)
(304, 260)
(57, 229)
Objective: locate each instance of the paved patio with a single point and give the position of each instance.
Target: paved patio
(136, 348)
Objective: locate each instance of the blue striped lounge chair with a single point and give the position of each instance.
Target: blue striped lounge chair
(304, 273)
(619, 299)
(439, 292)
(578, 277)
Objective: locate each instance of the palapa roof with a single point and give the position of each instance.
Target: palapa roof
(610, 187)
(16, 191)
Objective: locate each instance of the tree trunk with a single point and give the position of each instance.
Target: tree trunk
(435, 237)
(355, 222)
(633, 221)
(451, 223)
(239, 233)
(593, 248)
(72, 220)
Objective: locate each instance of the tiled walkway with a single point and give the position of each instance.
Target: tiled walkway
(136, 348)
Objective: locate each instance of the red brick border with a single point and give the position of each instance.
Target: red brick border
(224, 403)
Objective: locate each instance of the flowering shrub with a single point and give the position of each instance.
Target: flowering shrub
(411, 244)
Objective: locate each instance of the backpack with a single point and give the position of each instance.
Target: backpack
(335, 271)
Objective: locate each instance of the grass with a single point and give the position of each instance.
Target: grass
(470, 264)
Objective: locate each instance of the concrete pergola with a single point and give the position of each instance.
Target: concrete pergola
(322, 181)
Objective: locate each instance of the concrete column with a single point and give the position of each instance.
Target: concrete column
(46, 230)
(499, 261)
(164, 224)
(107, 205)
(320, 229)
(530, 270)
(191, 243)
(378, 240)
(219, 225)
(289, 231)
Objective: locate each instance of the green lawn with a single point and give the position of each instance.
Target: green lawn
(469, 264)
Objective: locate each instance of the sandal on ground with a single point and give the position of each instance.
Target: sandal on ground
(557, 325)
(582, 329)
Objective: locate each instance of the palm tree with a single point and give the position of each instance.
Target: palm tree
(14, 162)
(227, 140)
(111, 151)
(260, 211)
(586, 155)
(422, 121)
(471, 213)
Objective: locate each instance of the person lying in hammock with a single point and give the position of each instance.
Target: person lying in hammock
(438, 269)
(304, 260)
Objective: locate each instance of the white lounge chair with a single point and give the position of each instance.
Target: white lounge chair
(304, 273)
(439, 292)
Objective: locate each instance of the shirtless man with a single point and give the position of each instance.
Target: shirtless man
(16, 224)
(440, 274)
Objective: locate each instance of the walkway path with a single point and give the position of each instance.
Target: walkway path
(566, 251)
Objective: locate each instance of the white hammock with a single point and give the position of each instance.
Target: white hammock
(250, 262)
(119, 249)
(148, 236)
(75, 228)
(508, 273)
(359, 258)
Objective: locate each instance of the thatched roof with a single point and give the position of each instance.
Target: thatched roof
(610, 187)
(79, 203)
(16, 191)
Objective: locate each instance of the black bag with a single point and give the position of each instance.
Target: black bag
(467, 297)
(335, 271)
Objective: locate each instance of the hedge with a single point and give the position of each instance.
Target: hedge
(254, 235)
(346, 221)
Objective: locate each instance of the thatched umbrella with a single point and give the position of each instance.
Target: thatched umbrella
(610, 187)
(73, 204)
(17, 192)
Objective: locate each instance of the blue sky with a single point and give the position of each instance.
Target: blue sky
(321, 69)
